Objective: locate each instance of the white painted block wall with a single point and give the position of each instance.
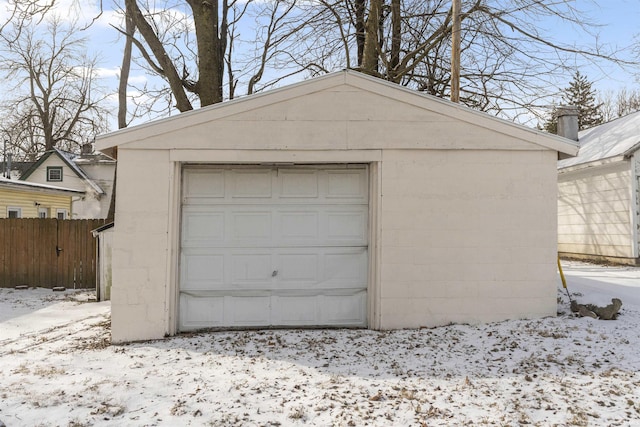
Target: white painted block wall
(467, 236)
(141, 246)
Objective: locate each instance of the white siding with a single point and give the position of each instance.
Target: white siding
(69, 177)
(594, 211)
(94, 205)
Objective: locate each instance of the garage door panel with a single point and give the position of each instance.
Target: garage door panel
(203, 184)
(345, 309)
(298, 183)
(302, 225)
(350, 184)
(296, 310)
(281, 247)
(198, 312)
(252, 226)
(347, 226)
(281, 186)
(298, 269)
(346, 269)
(250, 270)
(199, 227)
(202, 271)
(251, 183)
(249, 311)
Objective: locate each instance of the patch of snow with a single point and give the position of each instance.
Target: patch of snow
(563, 370)
(605, 141)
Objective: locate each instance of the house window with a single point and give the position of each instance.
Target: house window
(62, 213)
(14, 212)
(54, 173)
(43, 213)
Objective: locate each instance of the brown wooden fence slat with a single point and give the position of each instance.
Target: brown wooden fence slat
(48, 253)
(32, 248)
(28, 252)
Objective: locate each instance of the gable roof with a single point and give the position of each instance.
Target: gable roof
(350, 80)
(32, 187)
(618, 138)
(68, 159)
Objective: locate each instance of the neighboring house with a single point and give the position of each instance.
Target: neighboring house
(598, 194)
(19, 199)
(344, 200)
(91, 173)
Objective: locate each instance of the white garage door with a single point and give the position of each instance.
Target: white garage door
(274, 246)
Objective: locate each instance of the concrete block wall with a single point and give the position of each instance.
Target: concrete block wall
(141, 246)
(467, 236)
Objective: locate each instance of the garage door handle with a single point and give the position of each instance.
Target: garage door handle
(275, 273)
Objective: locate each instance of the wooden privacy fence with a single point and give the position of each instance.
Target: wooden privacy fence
(48, 252)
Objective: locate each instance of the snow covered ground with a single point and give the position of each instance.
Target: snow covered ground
(58, 369)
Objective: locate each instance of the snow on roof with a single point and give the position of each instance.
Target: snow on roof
(615, 138)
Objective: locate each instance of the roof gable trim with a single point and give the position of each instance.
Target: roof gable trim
(347, 77)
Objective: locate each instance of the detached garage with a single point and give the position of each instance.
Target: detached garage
(342, 201)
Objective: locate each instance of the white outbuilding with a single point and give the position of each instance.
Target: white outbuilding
(598, 203)
(341, 201)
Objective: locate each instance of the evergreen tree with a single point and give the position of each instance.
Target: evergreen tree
(580, 94)
(551, 124)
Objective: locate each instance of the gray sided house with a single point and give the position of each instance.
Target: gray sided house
(598, 194)
(341, 201)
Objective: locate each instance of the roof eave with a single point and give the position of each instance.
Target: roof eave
(631, 150)
(592, 164)
(24, 186)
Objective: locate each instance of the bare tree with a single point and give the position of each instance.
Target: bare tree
(21, 15)
(508, 60)
(53, 100)
(627, 101)
(210, 51)
(619, 104)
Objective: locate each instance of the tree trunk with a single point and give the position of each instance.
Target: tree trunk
(371, 53)
(211, 38)
(111, 215)
(130, 28)
(360, 6)
(455, 51)
(396, 38)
